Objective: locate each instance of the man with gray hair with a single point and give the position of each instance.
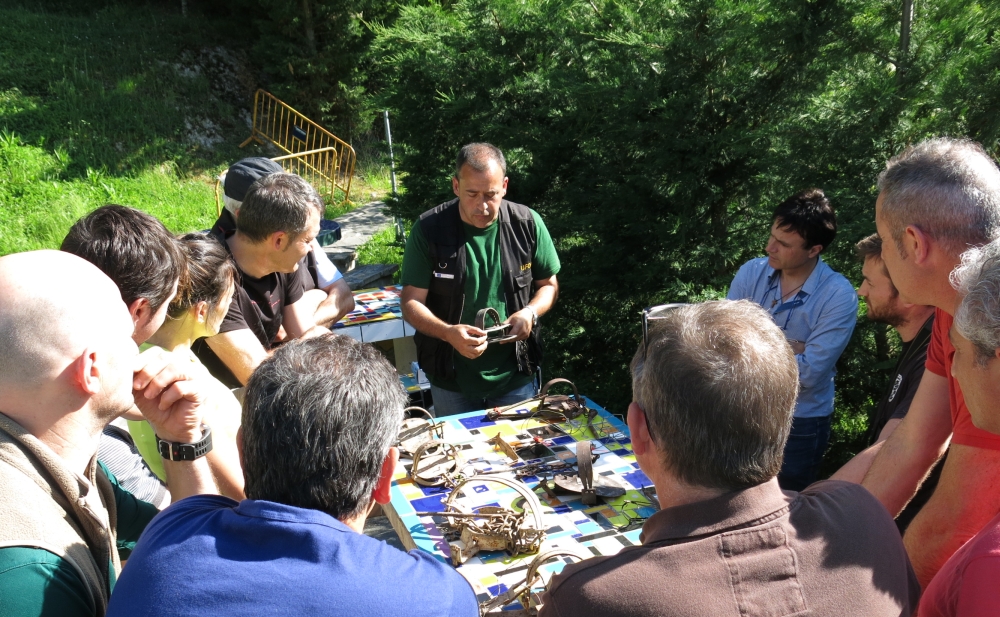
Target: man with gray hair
(475, 252)
(319, 420)
(966, 584)
(278, 221)
(714, 388)
(937, 198)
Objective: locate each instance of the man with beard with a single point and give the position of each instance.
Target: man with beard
(913, 323)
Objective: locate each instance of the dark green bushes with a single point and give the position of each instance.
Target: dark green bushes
(655, 138)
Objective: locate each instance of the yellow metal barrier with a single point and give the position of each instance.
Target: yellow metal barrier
(307, 144)
(308, 165)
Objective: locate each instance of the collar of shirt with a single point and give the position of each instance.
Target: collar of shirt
(812, 282)
(279, 512)
(754, 505)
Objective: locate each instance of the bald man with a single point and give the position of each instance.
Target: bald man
(67, 368)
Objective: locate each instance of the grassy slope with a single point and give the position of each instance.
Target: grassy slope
(93, 110)
(98, 109)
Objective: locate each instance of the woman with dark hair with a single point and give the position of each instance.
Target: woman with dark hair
(197, 311)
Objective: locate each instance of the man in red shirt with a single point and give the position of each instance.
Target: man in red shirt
(936, 199)
(966, 584)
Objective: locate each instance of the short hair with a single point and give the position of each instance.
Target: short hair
(810, 215)
(278, 202)
(210, 274)
(133, 249)
(318, 420)
(478, 156)
(977, 279)
(949, 188)
(870, 247)
(718, 385)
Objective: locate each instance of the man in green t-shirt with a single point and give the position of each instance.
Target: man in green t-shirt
(474, 252)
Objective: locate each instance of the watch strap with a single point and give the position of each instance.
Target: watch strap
(534, 315)
(174, 451)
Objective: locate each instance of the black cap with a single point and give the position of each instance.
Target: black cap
(244, 173)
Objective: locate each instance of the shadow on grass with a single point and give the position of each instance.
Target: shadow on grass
(124, 89)
(131, 105)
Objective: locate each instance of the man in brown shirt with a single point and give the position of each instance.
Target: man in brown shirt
(714, 388)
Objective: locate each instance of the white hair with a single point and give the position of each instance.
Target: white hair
(977, 279)
(231, 204)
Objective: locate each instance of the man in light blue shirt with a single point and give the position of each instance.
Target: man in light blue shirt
(816, 308)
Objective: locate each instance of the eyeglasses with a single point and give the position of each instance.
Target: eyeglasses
(651, 313)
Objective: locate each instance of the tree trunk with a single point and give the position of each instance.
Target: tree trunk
(904, 40)
(307, 20)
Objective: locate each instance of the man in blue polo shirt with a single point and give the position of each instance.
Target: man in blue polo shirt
(319, 419)
(815, 307)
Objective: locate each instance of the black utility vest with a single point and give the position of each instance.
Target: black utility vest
(445, 235)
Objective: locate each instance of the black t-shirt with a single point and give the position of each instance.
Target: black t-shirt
(257, 305)
(905, 379)
(224, 225)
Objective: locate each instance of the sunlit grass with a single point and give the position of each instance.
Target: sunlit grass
(97, 108)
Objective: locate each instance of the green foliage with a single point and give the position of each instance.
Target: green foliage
(382, 248)
(39, 201)
(312, 53)
(655, 139)
(112, 105)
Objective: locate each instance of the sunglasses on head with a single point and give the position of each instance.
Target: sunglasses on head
(652, 313)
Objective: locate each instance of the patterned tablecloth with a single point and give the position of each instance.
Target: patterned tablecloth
(377, 316)
(603, 529)
(373, 305)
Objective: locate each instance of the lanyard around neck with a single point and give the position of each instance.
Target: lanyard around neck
(784, 307)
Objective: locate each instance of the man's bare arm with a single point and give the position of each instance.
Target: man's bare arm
(239, 350)
(855, 469)
(964, 501)
(173, 400)
(911, 450)
(339, 301)
(467, 340)
(546, 292)
(299, 320)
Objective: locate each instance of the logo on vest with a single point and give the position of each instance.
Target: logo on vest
(526, 266)
(895, 387)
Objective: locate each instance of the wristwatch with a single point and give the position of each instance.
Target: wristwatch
(174, 451)
(534, 315)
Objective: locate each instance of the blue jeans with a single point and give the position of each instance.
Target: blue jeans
(448, 403)
(804, 452)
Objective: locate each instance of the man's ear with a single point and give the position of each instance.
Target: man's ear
(916, 243)
(638, 429)
(278, 240)
(815, 250)
(85, 374)
(454, 186)
(381, 492)
(141, 311)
